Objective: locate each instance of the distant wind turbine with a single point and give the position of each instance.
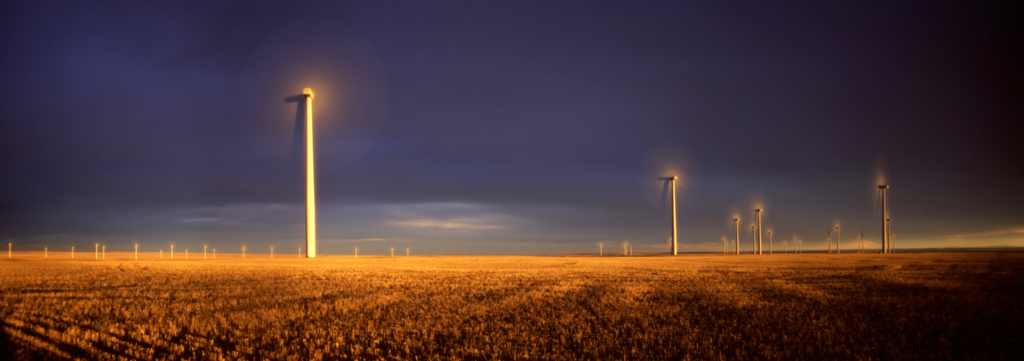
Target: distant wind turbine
(671, 182)
(757, 214)
(753, 238)
(838, 244)
(736, 224)
(885, 227)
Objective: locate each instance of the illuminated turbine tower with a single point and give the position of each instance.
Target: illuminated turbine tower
(888, 232)
(757, 212)
(310, 189)
(753, 238)
(675, 248)
(838, 250)
(735, 223)
(675, 238)
(885, 232)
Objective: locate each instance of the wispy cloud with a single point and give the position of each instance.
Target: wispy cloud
(991, 233)
(357, 240)
(201, 220)
(454, 224)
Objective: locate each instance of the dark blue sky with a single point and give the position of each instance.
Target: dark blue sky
(527, 127)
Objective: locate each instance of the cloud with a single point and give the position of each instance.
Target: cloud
(991, 233)
(456, 224)
(202, 219)
(356, 240)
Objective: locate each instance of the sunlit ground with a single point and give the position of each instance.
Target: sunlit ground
(809, 306)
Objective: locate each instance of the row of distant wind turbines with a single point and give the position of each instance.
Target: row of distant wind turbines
(755, 231)
(101, 252)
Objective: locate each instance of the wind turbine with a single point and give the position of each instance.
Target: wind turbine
(736, 224)
(885, 215)
(757, 213)
(769, 242)
(838, 247)
(310, 188)
(671, 182)
(888, 233)
(753, 238)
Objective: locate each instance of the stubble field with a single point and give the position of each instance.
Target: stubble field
(807, 306)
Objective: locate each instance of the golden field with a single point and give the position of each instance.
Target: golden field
(787, 307)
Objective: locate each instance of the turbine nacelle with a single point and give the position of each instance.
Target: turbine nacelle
(307, 92)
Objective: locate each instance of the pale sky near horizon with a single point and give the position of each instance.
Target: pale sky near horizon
(520, 128)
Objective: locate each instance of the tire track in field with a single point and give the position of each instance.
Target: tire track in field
(95, 343)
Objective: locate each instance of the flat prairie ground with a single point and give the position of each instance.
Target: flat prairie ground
(788, 307)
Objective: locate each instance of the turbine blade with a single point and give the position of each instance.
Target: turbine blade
(298, 148)
(664, 196)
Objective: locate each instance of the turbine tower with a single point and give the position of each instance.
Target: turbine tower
(675, 237)
(769, 242)
(757, 212)
(838, 250)
(888, 232)
(672, 183)
(885, 233)
(753, 238)
(310, 189)
(736, 223)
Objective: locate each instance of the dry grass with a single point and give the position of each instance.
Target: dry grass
(810, 306)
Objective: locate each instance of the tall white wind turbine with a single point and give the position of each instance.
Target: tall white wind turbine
(310, 188)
